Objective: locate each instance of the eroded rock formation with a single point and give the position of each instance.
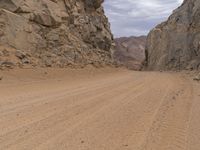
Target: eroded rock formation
(54, 33)
(130, 52)
(175, 44)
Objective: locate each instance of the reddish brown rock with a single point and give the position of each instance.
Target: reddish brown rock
(130, 52)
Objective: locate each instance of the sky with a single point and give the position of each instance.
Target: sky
(137, 17)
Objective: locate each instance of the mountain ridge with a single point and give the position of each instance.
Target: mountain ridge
(130, 52)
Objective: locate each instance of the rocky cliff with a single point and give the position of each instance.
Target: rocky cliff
(175, 44)
(130, 52)
(54, 33)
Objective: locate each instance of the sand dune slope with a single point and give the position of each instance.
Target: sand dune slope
(98, 110)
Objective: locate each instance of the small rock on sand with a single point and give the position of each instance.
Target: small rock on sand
(197, 78)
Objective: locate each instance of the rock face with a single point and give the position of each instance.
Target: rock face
(54, 33)
(130, 52)
(175, 44)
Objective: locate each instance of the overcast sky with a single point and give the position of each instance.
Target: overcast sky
(137, 17)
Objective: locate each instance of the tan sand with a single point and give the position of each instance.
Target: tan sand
(105, 109)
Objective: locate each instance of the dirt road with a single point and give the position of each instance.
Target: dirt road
(98, 110)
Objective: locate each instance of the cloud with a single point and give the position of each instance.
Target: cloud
(137, 17)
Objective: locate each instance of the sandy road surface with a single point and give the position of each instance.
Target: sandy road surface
(98, 110)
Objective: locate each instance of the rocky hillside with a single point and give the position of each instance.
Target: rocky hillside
(54, 33)
(130, 52)
(175, 44)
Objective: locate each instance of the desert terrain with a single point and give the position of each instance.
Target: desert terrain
(48, 103)
(98, 109)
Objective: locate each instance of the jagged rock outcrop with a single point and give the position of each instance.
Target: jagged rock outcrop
(175, 44)
(56, 33)
(130, 52)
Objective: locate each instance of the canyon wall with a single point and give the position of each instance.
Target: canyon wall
(54, 33)
(175, 44)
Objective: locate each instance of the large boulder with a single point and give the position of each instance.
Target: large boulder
(94, 3)
(56, 32)
(175, 44)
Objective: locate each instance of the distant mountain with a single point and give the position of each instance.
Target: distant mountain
(130, 51)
